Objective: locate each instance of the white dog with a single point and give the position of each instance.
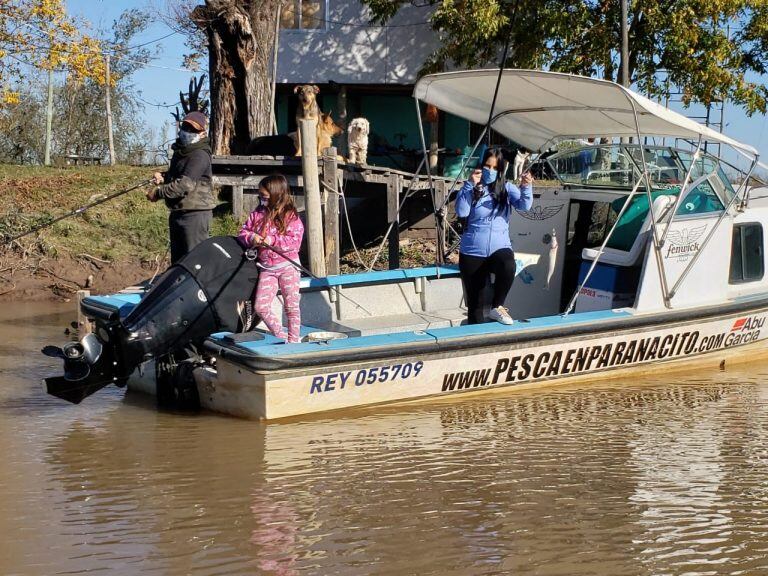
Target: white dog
(358, 140)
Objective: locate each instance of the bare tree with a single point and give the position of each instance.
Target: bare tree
(240, 35)
(192, 101)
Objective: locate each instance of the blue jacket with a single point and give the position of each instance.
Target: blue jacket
(487, 227)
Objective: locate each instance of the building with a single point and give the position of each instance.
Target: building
(369, 70)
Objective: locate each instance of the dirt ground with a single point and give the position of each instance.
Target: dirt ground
(59, 279)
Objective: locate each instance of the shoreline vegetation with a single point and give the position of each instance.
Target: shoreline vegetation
(110, 246)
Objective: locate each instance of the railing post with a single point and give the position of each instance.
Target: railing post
(394, 186)
(237, 203)
(331, 183)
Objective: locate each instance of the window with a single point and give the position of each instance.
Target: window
(746, 253)
(304, 15)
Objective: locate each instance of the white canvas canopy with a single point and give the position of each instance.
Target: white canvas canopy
(536, 109)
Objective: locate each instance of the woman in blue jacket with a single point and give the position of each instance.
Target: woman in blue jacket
(486, 201)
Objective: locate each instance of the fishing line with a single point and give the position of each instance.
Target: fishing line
(77, 211)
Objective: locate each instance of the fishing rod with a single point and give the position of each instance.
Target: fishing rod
(76, 211)
(250, 254)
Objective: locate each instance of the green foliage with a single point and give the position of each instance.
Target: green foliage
(128, 228)
(703, 48)
(79, 112)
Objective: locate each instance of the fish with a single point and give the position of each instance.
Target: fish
(553, 246)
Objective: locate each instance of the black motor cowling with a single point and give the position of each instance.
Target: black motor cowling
(194, 298)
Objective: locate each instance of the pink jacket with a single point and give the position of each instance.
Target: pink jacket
(289, 242)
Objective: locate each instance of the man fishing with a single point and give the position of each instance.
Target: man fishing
(187, 187)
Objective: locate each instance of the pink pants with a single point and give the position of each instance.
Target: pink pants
(287, 279)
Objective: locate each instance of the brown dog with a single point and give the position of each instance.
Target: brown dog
(307, 109)
(326, 130)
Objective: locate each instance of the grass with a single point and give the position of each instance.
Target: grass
(126, 228)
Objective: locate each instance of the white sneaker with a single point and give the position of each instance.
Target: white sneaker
(501, 315)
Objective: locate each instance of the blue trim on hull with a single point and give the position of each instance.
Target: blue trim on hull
(262, 348)
(122, 303)
(380, 276)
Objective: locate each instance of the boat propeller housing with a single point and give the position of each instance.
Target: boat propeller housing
(194, 298)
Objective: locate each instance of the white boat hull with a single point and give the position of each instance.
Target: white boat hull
(236, 390)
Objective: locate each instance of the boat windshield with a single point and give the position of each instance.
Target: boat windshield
(620, 166)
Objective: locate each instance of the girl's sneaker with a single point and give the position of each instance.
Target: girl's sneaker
(501, 315)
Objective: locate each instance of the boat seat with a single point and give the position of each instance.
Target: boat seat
(410, 322)
(627, 243)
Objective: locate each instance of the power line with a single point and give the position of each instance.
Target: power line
(147, 43)
(158, 104)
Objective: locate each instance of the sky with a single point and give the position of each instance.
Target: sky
(161, 81)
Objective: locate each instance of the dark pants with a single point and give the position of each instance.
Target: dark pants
(475, 274)
(187, 229)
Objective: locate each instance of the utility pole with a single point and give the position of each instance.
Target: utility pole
(49, 120)
(624, 44)
(109, 119)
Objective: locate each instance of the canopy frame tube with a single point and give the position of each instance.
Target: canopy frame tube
(683, 190)
(579, 288)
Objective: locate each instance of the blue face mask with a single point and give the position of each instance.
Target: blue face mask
(488, 176)
(264, 202)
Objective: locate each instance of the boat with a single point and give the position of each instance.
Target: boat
(646, 257)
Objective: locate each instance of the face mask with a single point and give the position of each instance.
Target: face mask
(489, 175)
(264, 202)
(187, 138)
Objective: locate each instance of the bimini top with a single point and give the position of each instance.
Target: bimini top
(537, 109)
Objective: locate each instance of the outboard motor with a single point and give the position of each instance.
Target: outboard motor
(194, 298)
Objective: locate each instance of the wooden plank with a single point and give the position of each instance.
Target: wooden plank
(247, 181)
(255, 161)
(331, 232)
(237, 203)
(394, 186)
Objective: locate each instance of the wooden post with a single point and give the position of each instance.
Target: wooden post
(83, 325)
(237, 203)
(394, 186)
(331, 183)
(440, 191)
(341, 104)
(312, 205)
(112, 160)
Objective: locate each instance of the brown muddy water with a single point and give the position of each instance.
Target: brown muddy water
(648, 477)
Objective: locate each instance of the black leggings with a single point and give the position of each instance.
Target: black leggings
(475, 273)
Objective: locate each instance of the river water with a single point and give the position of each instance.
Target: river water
(648, 477)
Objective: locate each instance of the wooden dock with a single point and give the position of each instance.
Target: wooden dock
(244, 173)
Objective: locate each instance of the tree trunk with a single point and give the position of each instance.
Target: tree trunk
(240, 35)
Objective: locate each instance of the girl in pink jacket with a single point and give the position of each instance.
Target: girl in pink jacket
(276, 223)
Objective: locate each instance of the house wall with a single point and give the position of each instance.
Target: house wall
(361, 57)
(349, 51)
(394, 139)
